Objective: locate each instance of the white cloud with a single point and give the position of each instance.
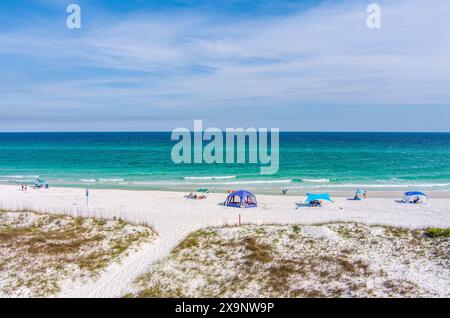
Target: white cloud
(325, 55)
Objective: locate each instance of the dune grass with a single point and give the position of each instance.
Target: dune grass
(329, 260)
(437, 232)
(38, 251)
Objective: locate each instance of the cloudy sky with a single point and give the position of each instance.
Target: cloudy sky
(157, 65)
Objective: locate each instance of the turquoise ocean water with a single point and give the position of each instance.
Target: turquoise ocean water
(308, 161)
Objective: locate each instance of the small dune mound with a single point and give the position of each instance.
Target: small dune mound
(331, 260)
(40, 251)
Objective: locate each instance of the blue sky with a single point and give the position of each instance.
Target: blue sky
(158, 65)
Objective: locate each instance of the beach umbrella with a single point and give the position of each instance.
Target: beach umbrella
(317, 197)
(414, 197)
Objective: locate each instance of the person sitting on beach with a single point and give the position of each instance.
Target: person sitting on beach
(416, 200)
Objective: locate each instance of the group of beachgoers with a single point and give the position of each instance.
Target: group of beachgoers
(194, 196)
(414, 197)
(312, 200)
(38, 184)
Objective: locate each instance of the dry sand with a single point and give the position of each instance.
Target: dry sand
(174, 217)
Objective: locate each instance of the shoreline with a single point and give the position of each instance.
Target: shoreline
(435, 194)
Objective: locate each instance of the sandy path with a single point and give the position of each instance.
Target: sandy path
(174, 217)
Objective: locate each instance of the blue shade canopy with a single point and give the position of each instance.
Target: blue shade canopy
(361, 191)
(410, 193)
(322, 196)
(241, 199)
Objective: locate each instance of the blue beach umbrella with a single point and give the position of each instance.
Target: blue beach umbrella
(361, 191)
(318, 197)
(415, 197)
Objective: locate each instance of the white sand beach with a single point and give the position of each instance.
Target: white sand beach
(174, 217)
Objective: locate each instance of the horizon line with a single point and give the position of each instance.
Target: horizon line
(169, 131)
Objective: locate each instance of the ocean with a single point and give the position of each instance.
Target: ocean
(309, 161)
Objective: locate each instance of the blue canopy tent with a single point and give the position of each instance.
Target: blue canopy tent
(360, 194)
(318, 197)
(414, 197)
(241, 199)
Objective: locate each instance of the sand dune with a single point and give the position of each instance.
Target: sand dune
(174, 217)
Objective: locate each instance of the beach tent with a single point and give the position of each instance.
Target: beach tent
(318, 197)
(414, 197)
(40, 183)
(241, 199)
(360, 194)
